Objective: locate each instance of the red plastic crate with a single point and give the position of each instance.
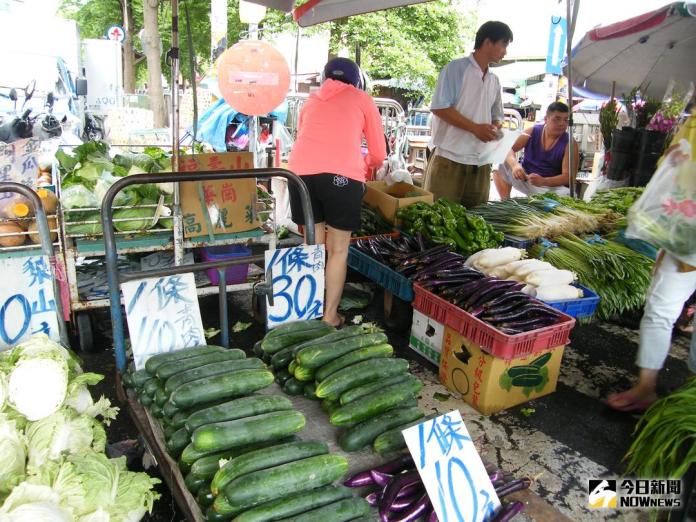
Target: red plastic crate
(486, 336)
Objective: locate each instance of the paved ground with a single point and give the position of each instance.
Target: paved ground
(569, 438)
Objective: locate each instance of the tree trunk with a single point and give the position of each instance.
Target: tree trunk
(153, 45)
(128, 53)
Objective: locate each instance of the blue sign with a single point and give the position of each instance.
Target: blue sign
(558, 32)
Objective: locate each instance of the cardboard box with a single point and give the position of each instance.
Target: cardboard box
(491, 384)
(427, 336)
(388, 199)
(230, 204)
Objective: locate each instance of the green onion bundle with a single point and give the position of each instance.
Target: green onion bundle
(620, 276)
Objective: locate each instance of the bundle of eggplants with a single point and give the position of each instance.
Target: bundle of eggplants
(401, 496)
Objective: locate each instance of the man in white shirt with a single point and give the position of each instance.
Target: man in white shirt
(468, 112)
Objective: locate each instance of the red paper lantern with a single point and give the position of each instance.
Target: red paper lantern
(253, 77)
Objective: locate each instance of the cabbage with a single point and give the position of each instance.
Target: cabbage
(66, 432)
(33, 503)
(3, 389)
(79, 398)
(12, 455)
(134, 225)
(87, 229)
(76, 197)
(37, 385)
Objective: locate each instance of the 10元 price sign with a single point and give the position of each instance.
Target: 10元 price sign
(163, 315)
(451, 469)
(297, 275)
(27, 302)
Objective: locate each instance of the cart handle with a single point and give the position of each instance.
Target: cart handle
(111, 256)
(46, 246)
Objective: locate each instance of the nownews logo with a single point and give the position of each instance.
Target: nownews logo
(634, 493)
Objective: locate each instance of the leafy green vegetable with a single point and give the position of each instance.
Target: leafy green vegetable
(33, 503)
(130, 215)
(12, 455)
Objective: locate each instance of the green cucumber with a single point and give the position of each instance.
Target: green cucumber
(161, 396)
(303, 374)
(169, 431)
(257, 350)
(292, 366)
(295, 504)
(372, 387)
(361, 354)
(222, 507)
(139, 377)
(167, 370)
(393, 440)
(343, 333)
(310, 390)
(179, 419)
(282, 358)
(127, 380)
(371, 405)
(363, 434)
(207, 466)
(282, 375)
(240, 432)
(237, 409)
(235, 384)
(265, 458)
(319, 355)
(156, 361)
(360, 373)
(190, 455)
(210, 370)
(145, 399)
(327, 404)
(204, 497)
(276, 343)
(151, 386)
(156, 410)
(169, 409)
(293, 327)
(177, 442)
(280, 481)
(293, 387)
(194, 484)
(339, 511)
(213, 516)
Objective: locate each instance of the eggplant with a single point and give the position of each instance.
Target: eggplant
(506, 512)
(506, 307)
(491, 291)
(415, 510)
(522, 312)
(432, 517)
(380, 478)
(525, 325)
(512, 486)
(403, 503)
(404, 461)
(373, 498)
(392, 490)
(507, 298)
(466, 290)
(360, 479)
(496, 477)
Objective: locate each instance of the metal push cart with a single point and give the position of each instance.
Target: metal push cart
(45, 248)
(149, 429)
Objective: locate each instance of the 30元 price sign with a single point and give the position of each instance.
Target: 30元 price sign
(27, 302)
(163, 315)
(451, 468)
(298, 283)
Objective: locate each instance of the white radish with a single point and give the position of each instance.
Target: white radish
(529, 290)
(552, 277)
(558, 293)
(514, 265)
(500, 256)
(500, 272)
(473, 257)
(527, 269)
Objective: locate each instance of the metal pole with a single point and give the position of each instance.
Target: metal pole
(178, 228)
(571, 14)
(222, 300)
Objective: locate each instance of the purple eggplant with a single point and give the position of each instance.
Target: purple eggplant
(510, 297)
(414, 511)
(468, 289)
(404, 461)
(432, 517)
(496, 477)
(373, 498)
(523, 312)
(402, 503)
(392, 490)
(492, 291)
(507, 511)
(360, 479)
(512, 486)
(379, 478)
(410, 490)
(525, 325)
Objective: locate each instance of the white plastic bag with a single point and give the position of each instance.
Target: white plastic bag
(665, 215)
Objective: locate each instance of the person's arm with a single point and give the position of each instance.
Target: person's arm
(511, 160)
(497, 112)
(483, 131)
(374, 134)
(561, 180)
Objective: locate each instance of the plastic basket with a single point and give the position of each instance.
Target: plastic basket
(384, 276)
(518, 242)
(486, 336)
(580, 308)
(392, 235)
(233, 274)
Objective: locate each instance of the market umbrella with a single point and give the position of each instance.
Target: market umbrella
(648, 50)
(317, 11)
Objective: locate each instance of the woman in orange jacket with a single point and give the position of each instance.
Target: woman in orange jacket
(327, 154)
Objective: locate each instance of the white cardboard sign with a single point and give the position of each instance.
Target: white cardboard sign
(27, 301)
(298, 283)
(163, 315)
(451, 469)
(19, 162)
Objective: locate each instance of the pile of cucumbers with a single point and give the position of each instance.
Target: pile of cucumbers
(363, 388)
(244, 445)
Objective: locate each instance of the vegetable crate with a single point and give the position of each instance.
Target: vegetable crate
(518, 242)
(486, 336)
(491, 384)
(390, 280)
(392, 235)
(580, 308)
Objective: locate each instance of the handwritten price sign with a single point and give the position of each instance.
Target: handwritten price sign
(451, 469)
(298, 283)
(27, 302)
(19, 161)
(163, 315)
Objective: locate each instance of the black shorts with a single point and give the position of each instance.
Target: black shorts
(335, 200)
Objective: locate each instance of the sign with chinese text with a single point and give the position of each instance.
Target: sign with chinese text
(19, 162)
(298, 283)
(163, 315)
(230, 204)
(451, 469)
(27, 302)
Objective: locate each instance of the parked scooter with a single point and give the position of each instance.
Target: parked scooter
(19, 127)
(48, 126)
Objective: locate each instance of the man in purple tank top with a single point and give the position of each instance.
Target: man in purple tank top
(544, 166)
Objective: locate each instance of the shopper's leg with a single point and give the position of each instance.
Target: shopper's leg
(474, 186)
(337, 243)
(319, 233)
(503, 187)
